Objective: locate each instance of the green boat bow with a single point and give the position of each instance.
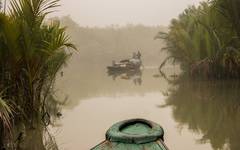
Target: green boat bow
(135, 134)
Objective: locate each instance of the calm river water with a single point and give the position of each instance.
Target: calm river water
(195, 115)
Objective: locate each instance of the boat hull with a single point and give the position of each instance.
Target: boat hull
(122, 69)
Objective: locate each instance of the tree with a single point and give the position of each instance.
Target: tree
(205, 40)
(31, 54)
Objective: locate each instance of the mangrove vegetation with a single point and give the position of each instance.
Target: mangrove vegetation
(32, 51)
(205, 39)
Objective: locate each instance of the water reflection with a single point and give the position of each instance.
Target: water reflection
(134, 75)
(210, 108)
(37, 139)
(95, 81)
(36, 135)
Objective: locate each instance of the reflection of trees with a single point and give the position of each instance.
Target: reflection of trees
(37, 137)
(212, 108)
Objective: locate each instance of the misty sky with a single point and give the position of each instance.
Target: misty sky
(107, 12)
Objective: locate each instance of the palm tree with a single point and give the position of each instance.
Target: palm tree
(230, 9)
(32, 51)
(205, 39)
(5, 120)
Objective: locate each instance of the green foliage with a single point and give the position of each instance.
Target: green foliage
(32, 51)
(205, 39)
(5, 114)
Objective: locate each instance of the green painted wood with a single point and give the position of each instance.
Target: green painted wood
(139, 131)
(134, 134)
(125, 146)
(136, 128)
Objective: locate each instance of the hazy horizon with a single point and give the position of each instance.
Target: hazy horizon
(121, 12)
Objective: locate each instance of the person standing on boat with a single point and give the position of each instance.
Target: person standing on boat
(139, 55)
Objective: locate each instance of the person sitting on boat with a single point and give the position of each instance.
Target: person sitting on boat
(134, 55)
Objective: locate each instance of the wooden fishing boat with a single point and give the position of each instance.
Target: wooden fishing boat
(122, 67)
(125, 65)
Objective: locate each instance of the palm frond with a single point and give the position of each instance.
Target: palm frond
(5, 114)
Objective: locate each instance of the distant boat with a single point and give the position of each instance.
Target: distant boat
(132, 64)
(123, 67)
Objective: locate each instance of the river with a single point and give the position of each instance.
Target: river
(194, 114)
